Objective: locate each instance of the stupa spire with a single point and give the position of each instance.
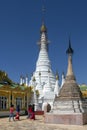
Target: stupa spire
(69, 51)
(43, 42)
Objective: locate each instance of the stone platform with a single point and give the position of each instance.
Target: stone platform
(69, 119)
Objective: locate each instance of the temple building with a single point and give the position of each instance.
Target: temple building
(14, 94)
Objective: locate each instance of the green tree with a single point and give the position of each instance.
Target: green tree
(4, 78)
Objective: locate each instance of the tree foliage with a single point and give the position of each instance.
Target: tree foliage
(4, 79)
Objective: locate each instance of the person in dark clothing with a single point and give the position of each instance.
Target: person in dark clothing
(18, 109)
(33, 108)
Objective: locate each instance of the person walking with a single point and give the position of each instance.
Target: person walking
(11, 115)
(33, 112)
(17, 112)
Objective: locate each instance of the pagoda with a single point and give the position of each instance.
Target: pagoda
(69, 106)
(45, 79)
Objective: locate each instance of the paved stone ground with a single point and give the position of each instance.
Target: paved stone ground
(38, 124)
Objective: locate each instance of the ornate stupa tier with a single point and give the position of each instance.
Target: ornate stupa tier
(44, 78)
(43, 61)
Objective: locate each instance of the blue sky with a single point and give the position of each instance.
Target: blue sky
(20, 22)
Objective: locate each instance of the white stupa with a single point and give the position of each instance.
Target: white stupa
(57, 87)
(45, 79)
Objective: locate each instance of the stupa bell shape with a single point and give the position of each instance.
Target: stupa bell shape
(43, 64)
